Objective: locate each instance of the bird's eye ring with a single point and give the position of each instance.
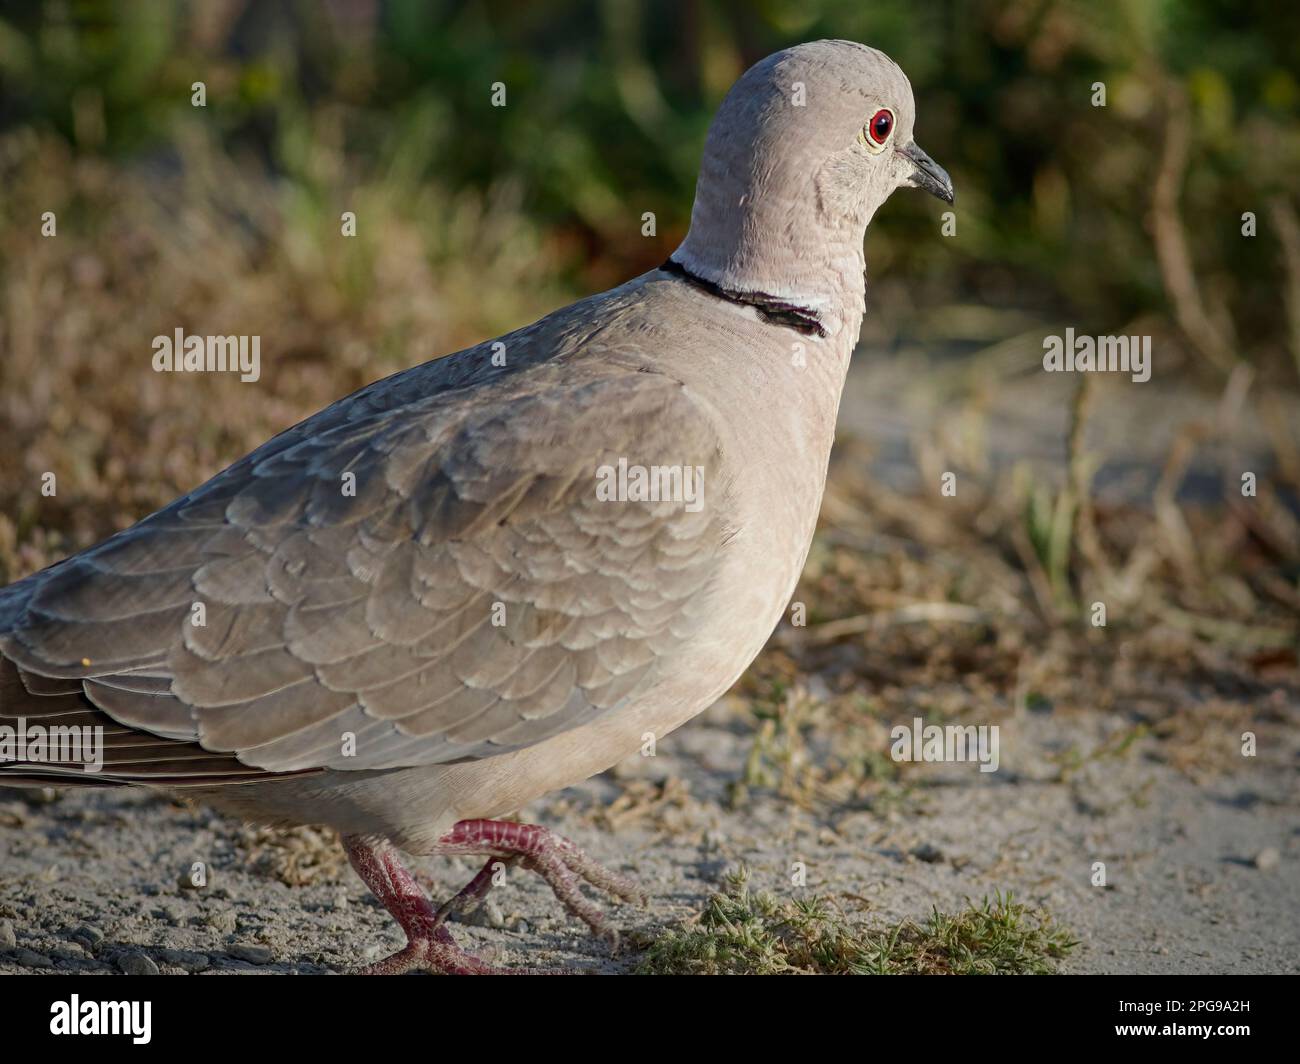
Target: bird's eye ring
(875, 134)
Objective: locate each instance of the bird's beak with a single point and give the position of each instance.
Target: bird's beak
(928, 174)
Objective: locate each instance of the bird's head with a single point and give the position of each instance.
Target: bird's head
(804, 149)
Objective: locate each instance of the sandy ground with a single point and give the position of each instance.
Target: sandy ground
(1202, 869)
(90, 881)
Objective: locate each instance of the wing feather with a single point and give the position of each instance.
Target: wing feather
(426, 577)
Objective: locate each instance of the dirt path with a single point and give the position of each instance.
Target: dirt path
(90, 881)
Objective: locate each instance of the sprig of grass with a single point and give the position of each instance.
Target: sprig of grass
(1070, 761)
(741, 932)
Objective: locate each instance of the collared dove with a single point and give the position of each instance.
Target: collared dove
(486, 578)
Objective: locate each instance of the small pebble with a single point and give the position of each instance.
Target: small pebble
(11, 814)
(927, 853)
(488, 914)
(247, 952)
(1267, 859)
(41, 795)
(186, 959)
(30, 959)
(87, 936)
(137, 964)
(222, 920)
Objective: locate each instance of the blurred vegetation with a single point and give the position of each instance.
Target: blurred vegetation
(474, 219)
(1106, 214)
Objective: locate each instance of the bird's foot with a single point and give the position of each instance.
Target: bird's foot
(553, 857)
(429, 946)
(430, 954)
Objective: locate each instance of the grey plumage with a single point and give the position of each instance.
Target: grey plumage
(328, 613)
(371, 615)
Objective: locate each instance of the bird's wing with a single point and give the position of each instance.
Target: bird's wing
(431, 581)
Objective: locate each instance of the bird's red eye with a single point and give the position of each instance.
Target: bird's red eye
(880, 125)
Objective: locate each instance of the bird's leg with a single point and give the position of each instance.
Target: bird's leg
(555, 859)
(429, 945)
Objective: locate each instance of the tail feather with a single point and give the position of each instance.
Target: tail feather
(51, 732)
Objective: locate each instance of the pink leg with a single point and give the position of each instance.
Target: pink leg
(429, 945)
(556, 859)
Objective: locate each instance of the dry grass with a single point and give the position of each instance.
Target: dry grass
(980, 609)
(296, 856)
